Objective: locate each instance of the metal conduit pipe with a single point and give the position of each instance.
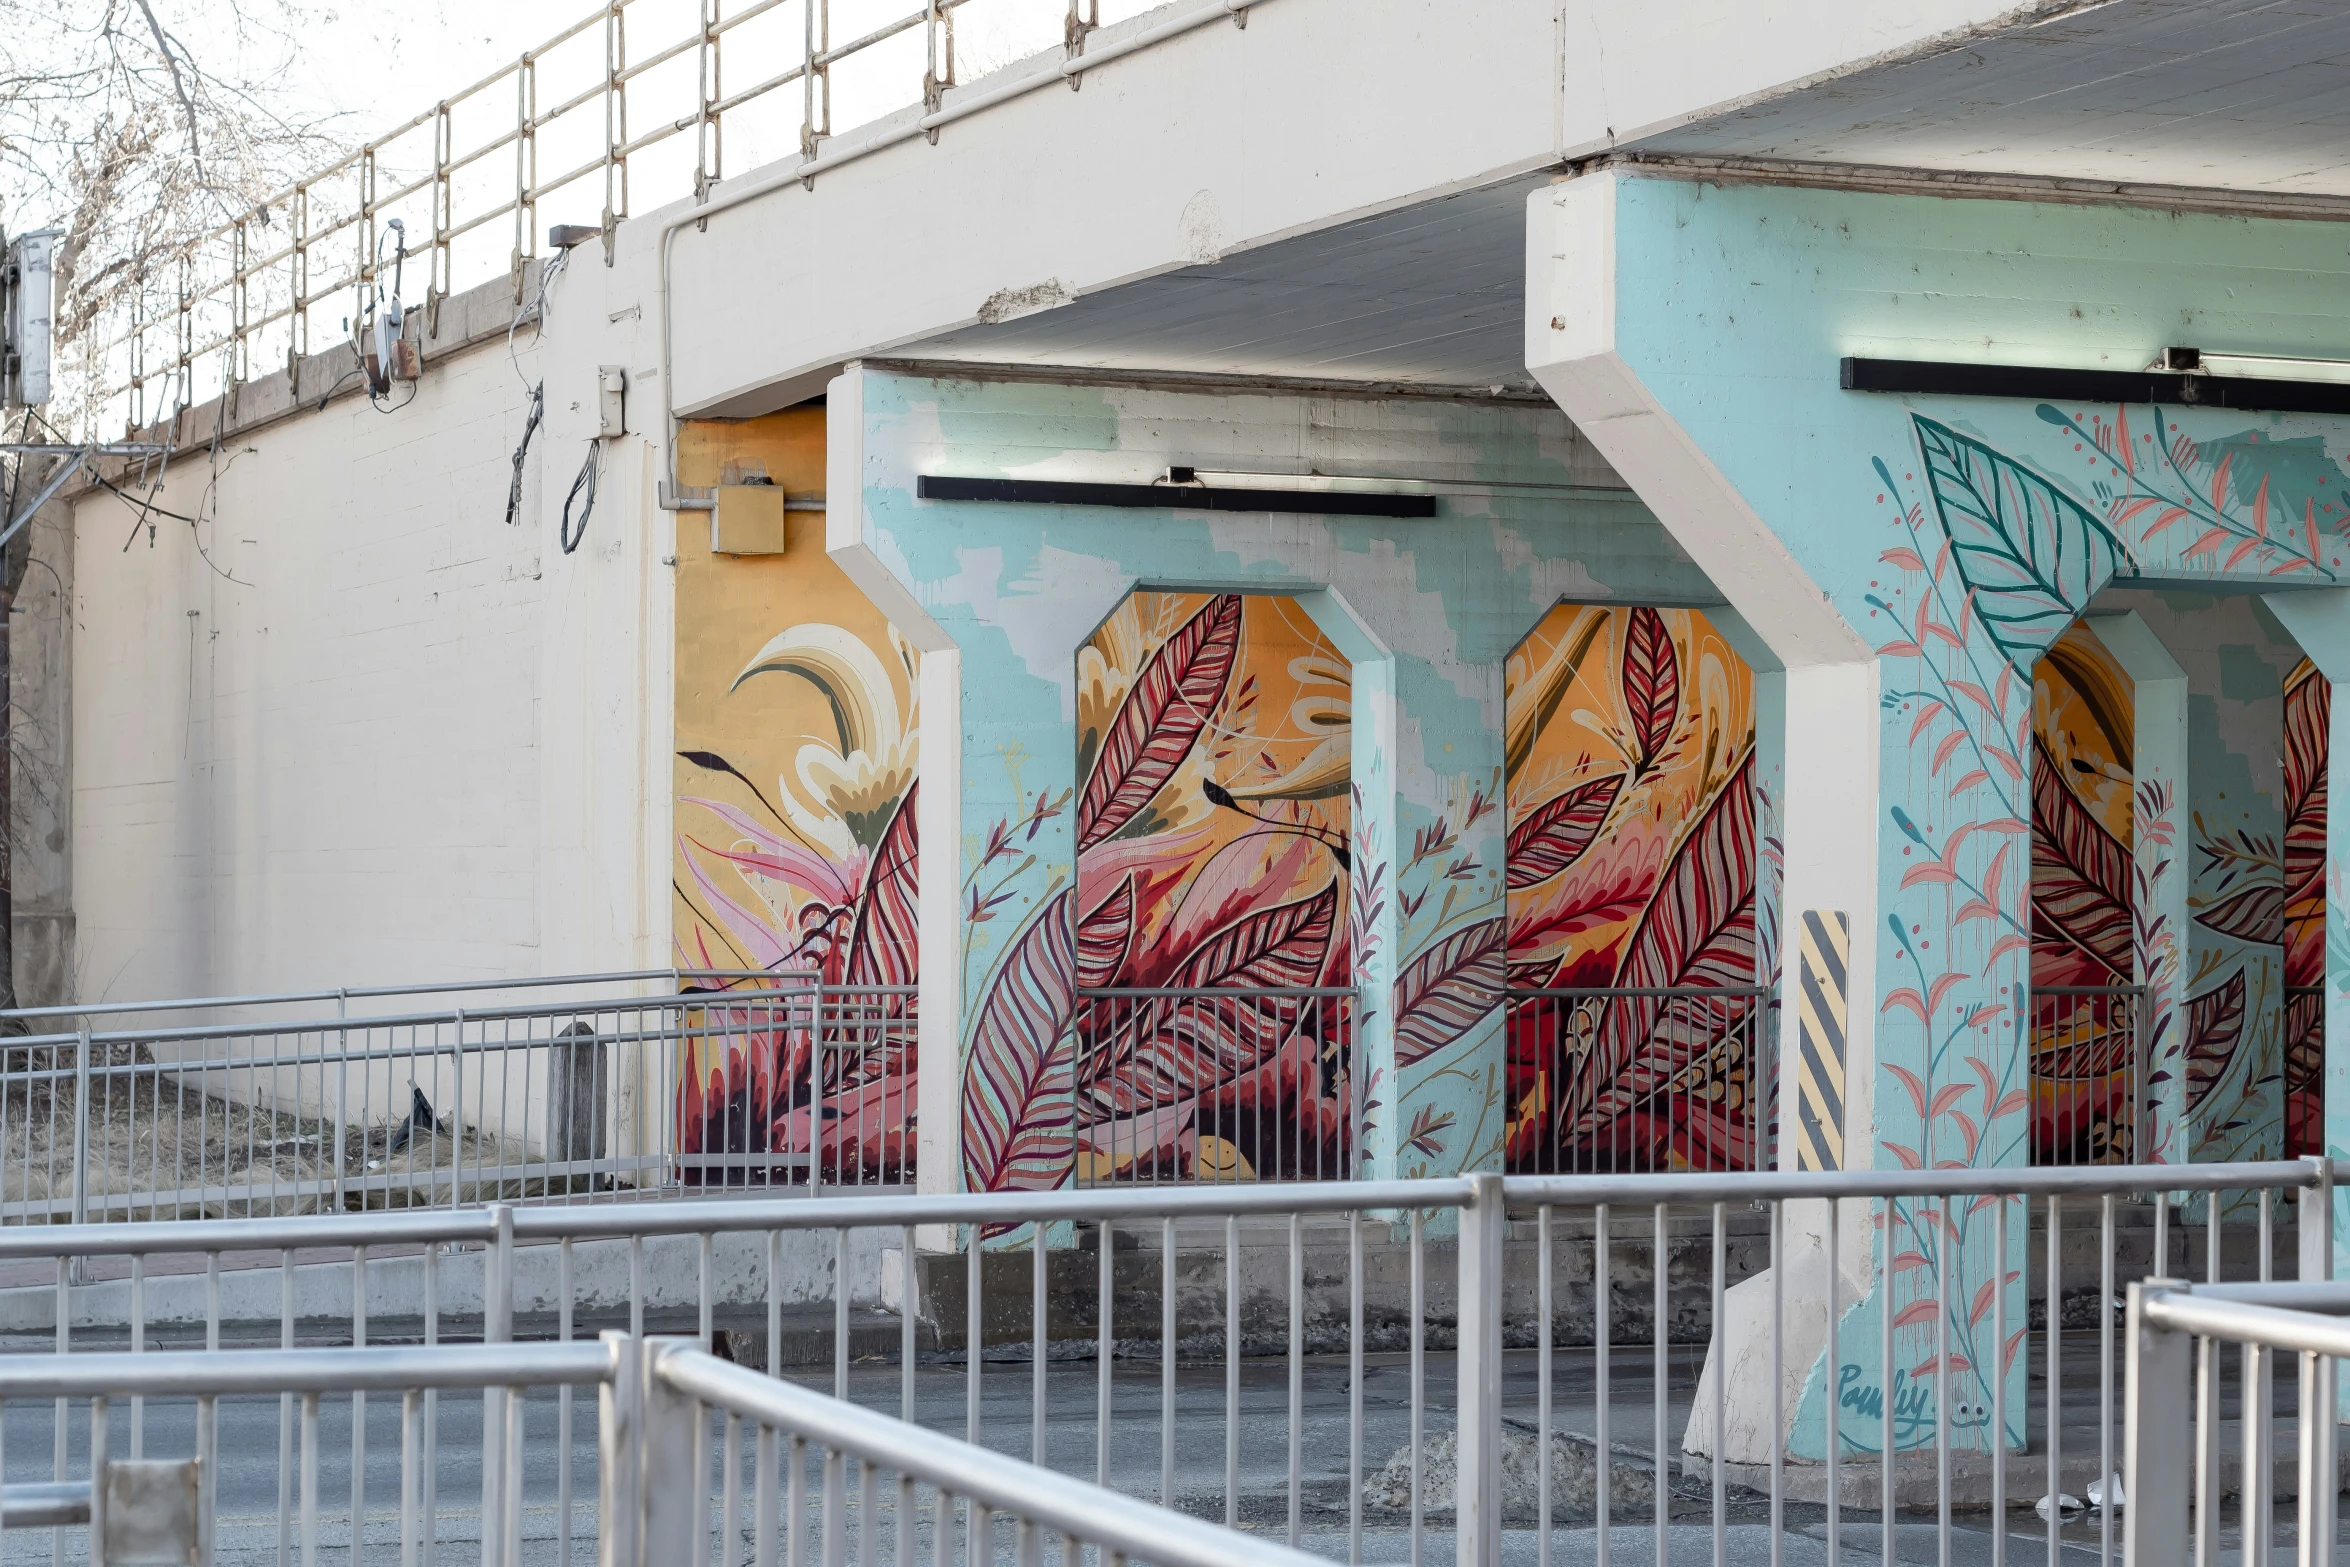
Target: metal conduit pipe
(825, 163)
(45, 1504)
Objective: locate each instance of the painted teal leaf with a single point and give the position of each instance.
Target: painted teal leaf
(2031, 554)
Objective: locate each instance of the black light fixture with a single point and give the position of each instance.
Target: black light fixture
(2179, 377)
(1181, 490)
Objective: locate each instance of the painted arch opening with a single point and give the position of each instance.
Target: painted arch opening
(1638, 1000)
(1214, 1025)
(2087, 1010)
(2178, 820)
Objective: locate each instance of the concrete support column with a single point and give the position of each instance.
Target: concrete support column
(2320, 622)
(1373, 927)
(1904, 806)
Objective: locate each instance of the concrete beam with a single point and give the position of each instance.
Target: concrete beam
(1203, 146)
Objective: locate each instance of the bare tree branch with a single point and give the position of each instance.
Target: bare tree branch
(164, 46)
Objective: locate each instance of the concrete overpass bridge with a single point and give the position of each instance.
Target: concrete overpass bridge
(1500, 515)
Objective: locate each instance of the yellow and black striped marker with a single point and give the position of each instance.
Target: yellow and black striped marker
(1822, 985)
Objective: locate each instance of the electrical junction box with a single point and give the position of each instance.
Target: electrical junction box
(611, 401)
(25, 323)
(748, 519)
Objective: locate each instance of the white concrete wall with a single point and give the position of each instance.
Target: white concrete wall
(315, 758)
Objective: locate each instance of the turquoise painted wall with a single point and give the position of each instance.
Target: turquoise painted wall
(1019, 587)
(1961, 536)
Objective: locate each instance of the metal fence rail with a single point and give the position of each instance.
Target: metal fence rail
(450, 994)
(142, 1508)
(578, 1099)
(1214, 1086)
(2176, 1334)
(802, 1442)
(1641, 1080)
(1327, 1359)
(655, 1482)
(2089, 1102)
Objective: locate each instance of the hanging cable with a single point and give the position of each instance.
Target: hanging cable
(530, 427)
(583, 488)
(536, 308)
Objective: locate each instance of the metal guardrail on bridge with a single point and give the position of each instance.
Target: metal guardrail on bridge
(590, 126)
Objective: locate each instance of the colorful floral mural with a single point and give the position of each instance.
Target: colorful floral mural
(795, 850)
(2083, 752)
(1991, 564)
(1213, 741)
(1632, 857)
(2308, 728)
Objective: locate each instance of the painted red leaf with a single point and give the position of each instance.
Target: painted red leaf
(1558, 831)
(1163, 714)
(1982, 1305)
(1697, 933)
(2308, 717)
(1016, 1104)
(1652, 682)
(2305, 1041)
(1170, 1049)
(2254, 913)
(1103, 936)
(886, 937)
(1915, 1312)
(1446, 988)
(2080, 873)
(1533, 976)
(2215, 1027)
(1968, 1130)
(1975, 694)
(1280, 947)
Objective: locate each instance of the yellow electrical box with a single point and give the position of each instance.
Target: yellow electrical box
(748, 519)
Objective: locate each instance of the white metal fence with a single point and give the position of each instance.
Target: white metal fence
(655, 1492)
(1320, 1361)
(589, 1097)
